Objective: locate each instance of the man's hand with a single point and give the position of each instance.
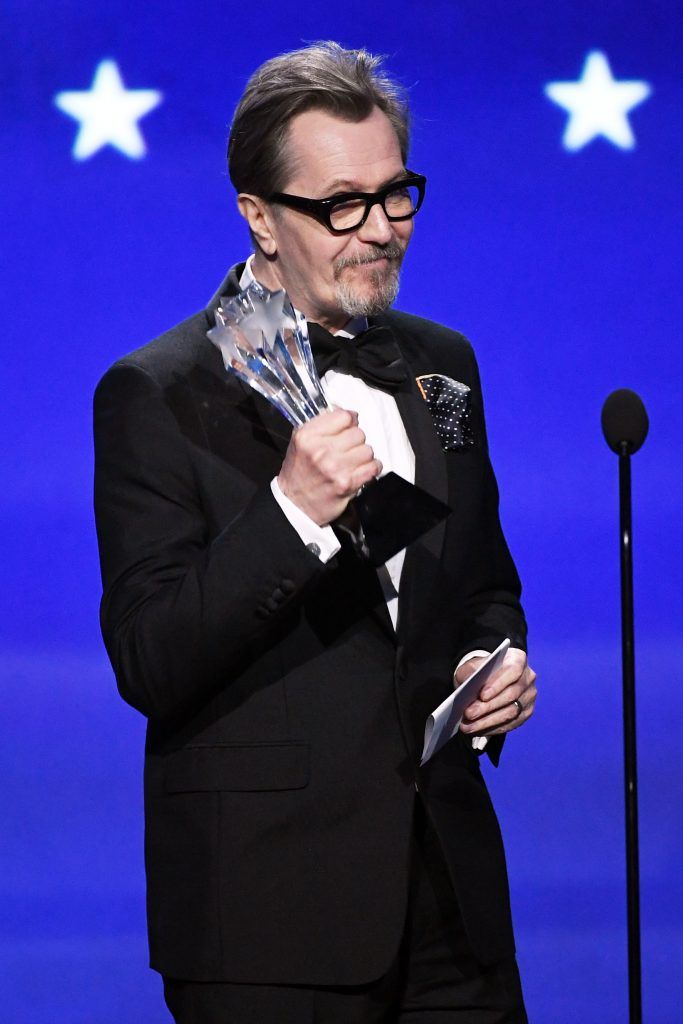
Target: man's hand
(507, 700)
(325, 465)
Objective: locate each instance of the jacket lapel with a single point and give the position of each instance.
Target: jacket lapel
(424, 555)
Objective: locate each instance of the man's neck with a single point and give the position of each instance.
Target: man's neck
(266, 273)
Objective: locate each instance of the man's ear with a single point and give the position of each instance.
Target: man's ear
(259, 217)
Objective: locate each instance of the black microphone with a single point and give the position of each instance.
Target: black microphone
(625, 425)
(624, 421)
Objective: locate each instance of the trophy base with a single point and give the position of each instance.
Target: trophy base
(387, 516)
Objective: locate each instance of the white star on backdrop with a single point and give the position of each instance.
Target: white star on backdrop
(598, 104)
(108, 113)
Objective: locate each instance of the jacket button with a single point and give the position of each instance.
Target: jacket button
(288, 586)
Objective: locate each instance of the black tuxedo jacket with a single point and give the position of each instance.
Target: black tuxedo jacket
(286, 717)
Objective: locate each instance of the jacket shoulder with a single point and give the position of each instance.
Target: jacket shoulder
(437, 337)
(173, 353)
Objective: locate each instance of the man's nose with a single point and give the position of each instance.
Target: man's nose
(377, 227)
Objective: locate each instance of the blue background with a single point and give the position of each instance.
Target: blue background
(563, 269)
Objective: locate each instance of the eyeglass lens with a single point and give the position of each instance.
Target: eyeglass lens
(400, 203)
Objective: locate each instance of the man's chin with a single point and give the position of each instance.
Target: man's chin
(376, 297)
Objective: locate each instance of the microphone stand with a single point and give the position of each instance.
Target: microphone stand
(630, 753)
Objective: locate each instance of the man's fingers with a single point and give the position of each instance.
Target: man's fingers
(322, 445)
(344, 470)
(329, 423)
(347, 440)
(506, 701)
(504, 720)
(326, 463)
(482, 719)
(514, 691)
(346, 483)
(512, 669)
(364, 475)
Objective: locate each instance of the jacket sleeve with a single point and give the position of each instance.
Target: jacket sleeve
(180, 611)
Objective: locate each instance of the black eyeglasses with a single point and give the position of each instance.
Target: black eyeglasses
(349, 210)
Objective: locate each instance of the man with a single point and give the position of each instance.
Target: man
(301, 866)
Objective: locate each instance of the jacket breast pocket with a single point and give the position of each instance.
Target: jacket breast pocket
(238, 767)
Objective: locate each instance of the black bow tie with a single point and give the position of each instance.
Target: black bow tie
(373, 355)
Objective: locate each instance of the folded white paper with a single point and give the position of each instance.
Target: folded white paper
(443, 723)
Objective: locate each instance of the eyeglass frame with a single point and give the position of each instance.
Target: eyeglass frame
(321, 209)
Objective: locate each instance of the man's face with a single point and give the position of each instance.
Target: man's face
(333, 277)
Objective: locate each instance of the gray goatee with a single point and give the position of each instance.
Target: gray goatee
(384, 281)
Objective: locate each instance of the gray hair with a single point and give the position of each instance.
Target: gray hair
(323, 76)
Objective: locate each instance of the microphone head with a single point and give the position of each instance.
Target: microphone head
(624, 421)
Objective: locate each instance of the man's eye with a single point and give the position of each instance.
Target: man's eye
(402, 201)
(347, 213)
(399, 195)
(347, 204)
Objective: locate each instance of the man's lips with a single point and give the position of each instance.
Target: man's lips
(380, 262)
(372, 262)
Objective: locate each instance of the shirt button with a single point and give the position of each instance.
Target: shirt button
(314, 549)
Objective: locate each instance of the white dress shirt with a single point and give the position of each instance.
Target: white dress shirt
(380, 421)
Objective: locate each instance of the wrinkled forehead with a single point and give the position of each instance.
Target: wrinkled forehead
(328, 154)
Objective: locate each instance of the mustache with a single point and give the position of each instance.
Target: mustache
(370, 255)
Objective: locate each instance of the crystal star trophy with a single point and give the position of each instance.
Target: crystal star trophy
(264, 342)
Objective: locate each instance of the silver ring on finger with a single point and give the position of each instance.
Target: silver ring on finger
(518, 705)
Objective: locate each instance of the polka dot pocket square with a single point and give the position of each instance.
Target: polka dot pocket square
(449, 404)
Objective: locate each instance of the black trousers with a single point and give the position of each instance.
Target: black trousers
(434, 979)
